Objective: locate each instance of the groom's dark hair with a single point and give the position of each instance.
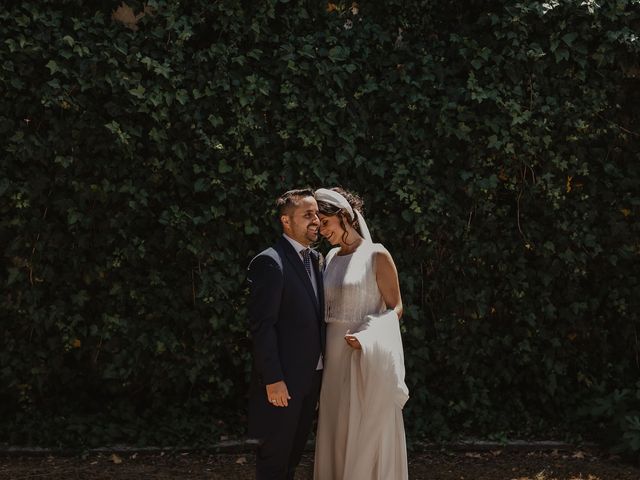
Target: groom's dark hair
(290, 199)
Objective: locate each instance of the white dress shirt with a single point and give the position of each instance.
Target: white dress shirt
(298, 248)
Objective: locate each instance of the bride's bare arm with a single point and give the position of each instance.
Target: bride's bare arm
(387, 278)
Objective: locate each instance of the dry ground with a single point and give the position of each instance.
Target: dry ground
(435, 465)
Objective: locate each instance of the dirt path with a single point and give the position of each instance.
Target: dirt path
(493, 465)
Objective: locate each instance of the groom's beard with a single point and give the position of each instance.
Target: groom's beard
(312, 234)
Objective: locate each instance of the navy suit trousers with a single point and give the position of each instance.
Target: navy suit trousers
(279, 453)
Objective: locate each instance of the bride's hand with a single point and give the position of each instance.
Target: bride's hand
(352, 341)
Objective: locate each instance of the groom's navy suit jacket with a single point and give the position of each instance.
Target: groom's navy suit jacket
(287, 327)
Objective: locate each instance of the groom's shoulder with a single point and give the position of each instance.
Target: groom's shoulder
(269, 255)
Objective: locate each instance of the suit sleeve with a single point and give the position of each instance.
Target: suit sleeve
(265, 283)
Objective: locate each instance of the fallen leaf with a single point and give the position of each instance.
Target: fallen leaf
(578, 454)
(241, 460)
(473, 455)
(115, 459)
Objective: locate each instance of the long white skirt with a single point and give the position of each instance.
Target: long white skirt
(360, 425)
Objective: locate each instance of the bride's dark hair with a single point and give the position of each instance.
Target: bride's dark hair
(331, 210)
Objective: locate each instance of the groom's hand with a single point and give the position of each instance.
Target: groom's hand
(277, 394)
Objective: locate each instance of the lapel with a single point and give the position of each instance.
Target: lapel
(296, 262)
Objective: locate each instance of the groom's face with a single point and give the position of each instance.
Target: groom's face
(301, 223)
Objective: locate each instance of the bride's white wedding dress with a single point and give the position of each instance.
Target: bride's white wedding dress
(360, 427)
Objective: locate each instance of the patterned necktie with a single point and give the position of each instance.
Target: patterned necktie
(306, 259)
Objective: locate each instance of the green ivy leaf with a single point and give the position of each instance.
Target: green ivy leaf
(52, 66)
(138, 92)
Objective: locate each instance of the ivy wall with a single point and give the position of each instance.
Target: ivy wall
(496, 147)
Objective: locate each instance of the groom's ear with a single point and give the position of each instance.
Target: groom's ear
(284, 219)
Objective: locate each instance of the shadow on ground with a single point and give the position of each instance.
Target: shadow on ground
(443, 465)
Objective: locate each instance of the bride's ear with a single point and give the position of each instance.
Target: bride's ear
(346, 219)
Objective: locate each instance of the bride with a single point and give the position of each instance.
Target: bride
(360, 426)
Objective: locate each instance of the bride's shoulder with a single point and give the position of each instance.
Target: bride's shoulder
(378, 248)
(375, 251)
(380, 254)
(382, 261)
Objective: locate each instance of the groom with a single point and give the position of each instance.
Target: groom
(287, 327)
